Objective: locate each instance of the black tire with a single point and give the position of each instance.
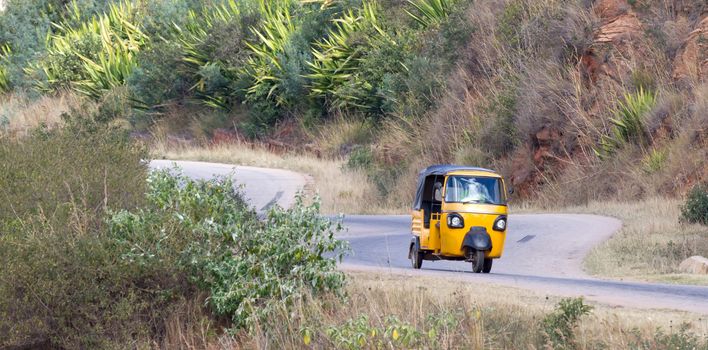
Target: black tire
(477, 261)
(487, 265)
(416, 257)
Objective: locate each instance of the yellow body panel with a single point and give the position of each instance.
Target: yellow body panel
(447, 242)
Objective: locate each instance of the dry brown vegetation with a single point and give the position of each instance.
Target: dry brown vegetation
(465, 315)
(341, 190)
(20, 114)
(538, 86)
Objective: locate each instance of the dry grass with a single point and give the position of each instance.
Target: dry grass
(511, 319)
(341, 191)
(20, 114)
(650, 245)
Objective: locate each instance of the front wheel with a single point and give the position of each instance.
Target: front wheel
(478, 261)
(416, 257)
(487, 265)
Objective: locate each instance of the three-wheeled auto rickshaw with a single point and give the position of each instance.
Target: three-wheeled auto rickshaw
(459, 213)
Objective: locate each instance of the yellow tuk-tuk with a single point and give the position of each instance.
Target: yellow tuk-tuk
(459, 213)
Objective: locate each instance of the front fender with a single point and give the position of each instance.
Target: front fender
(478, 239)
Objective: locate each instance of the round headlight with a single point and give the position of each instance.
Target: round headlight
(501, 224)
(456, 221)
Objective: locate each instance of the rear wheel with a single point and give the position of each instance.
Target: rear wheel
(477, 261)
(487, 265)
(416, 257)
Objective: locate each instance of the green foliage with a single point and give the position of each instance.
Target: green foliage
(96, 56)
(266, 66)
(508, 24)
(86, 166)
(336, 66)
(681, 340)
(360, 158)
(654, 161)
(201, 37)
(695, 209)
(628, 122)
(391, 332)
(558, 326)
(432, 12)
(4, 74)
(61, 282)
(251, 268)
(273, 263)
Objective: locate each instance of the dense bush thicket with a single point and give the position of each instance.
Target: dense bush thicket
(359, 57)
(94, 256)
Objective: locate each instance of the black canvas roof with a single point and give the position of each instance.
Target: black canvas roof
(440, 169)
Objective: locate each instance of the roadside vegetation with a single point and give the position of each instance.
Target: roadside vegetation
(96, 253)
(359, 94)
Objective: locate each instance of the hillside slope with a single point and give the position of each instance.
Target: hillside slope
(572, 100)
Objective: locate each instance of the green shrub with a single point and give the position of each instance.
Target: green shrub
(61, 280)
(695, 209)
(558, 327)
(681, 340)
(86, 165)
(360, 158)
(250, 268)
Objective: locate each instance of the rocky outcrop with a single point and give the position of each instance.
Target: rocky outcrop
(695, 265)
(691, 63)
(620, 29)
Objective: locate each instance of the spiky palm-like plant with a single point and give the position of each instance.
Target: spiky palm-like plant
(628, 122)
(5, 53)
(265, 67)
(337, 58)
(196, 57)
(94, 57)
(430, 12)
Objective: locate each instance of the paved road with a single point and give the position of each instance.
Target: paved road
(263, 187)
(543, 252)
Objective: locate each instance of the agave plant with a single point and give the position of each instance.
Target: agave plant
(628, 122)
(337, 58)
(430, 12)
(196, 56)
(5, 53)
(265, 67)
(94, 57)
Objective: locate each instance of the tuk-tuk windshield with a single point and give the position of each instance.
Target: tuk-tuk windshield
(474, 189)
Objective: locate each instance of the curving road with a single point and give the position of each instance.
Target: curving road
(543, 252)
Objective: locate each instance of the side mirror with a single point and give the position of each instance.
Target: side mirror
(511, 190)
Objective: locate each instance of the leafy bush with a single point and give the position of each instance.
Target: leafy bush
(60, 279)
(558, 326)
(86, 166)
(115, 282)
(695, 210)
(249, 267)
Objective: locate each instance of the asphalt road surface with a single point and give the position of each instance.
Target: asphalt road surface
(543, 252)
